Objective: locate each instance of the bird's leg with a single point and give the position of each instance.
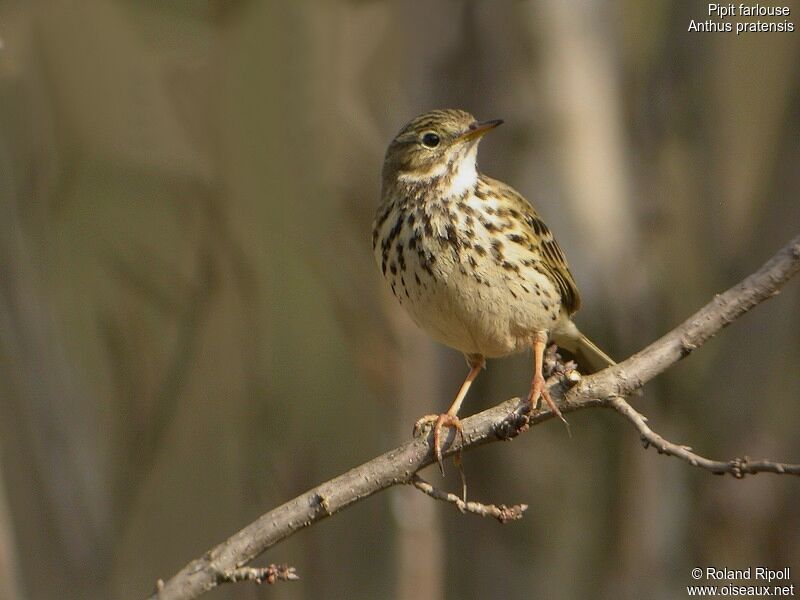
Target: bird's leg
(538, 386)
(450, 418)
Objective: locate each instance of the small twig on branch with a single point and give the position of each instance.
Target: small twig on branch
(502, 513)
(269, 574)
(502, 422)
(738, 467)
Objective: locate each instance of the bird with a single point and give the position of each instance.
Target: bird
(470, 259)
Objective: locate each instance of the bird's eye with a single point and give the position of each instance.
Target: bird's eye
(430, 140)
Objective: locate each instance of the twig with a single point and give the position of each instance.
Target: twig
(502, 422)
(502, 513)
(738, 467)
(269, 574)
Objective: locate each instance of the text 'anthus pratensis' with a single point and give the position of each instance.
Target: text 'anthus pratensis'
(469, 258)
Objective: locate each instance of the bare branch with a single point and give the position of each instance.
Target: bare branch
(738, 467)
(502, 422)
(502, 513)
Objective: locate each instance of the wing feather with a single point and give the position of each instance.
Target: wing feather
(551, 257)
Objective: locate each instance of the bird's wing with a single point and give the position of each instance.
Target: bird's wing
(540, 237)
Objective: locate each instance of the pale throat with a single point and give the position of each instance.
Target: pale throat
(463, 174)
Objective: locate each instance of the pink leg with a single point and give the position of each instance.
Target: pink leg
(538, 387)
(450, 418)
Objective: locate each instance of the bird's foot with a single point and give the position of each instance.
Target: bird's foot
(539, 390)
(437, 422)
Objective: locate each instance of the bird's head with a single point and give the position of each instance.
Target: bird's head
(438, 146)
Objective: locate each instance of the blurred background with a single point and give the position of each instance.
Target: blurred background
(192, 329)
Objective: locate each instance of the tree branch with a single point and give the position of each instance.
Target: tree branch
(502, 513)
(502, 422)
(738, 467)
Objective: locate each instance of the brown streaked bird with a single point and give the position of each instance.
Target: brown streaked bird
(470, 259)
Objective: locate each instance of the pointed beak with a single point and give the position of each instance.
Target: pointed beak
(477, 130)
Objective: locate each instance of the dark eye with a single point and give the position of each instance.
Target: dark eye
(430, 139)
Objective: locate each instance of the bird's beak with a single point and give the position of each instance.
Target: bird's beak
(477, 130)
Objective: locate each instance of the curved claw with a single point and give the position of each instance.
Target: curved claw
(448, 420)
(437, 422)
(539, 390)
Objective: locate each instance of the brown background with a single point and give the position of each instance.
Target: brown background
(192, 329)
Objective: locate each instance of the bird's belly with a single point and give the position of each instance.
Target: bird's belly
(477, 308)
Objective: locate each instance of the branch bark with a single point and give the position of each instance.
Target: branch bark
(502, 513)
(738, 467)
(502, 422)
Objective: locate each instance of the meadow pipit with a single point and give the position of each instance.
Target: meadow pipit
(469, 258)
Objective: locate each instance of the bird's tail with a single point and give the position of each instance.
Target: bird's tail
(589, 357)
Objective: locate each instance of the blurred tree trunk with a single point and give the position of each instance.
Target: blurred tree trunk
(10, 581)
(421, 549)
